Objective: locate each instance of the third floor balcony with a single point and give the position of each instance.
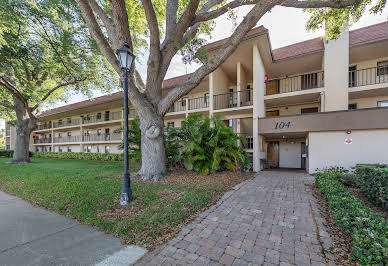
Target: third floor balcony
(233, 99)
(368, 76)
(295, 83)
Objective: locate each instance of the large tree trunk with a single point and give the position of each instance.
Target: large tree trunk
(24, 126)
(152, 146)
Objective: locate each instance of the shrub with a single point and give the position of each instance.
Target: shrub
(80, 156)
(373, 182)
(134, 140)
(6, 153)
(368, 229)
(205, 148)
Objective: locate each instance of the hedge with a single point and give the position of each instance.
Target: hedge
(80, 156)
(368, 229)
(6, 153)
(373, 183)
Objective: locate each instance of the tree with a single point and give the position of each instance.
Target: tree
(171, 28)
(44, 53)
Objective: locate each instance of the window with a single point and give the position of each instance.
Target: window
(60, 123)
(352, 106)
(8, 147)
(107, 134)
(272, 113)
(231, 123)
(107, 116)
(59, 135)
(232, 101)
(99, 116)
(89, 149)
(98, 149)
(68, 149)
(382, 68)
(99, 131)
(309, 110)
(49, 149)
(309, 81)
(184, 101)
(170, 125)
(69, 134)
(69, 121)
(248, 98)
(60, 149)
(382, 104)
(88, 132)
(107, 149)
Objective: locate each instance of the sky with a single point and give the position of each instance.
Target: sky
(286, 26)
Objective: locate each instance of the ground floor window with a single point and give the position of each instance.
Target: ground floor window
(89, 149)
(69, 149)
(352, 106)
(170, 125)
(8, 147)
(60, 149)
(382, 104)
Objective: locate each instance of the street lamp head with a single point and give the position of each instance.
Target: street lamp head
(125, 56)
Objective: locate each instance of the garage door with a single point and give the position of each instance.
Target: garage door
(290, 155)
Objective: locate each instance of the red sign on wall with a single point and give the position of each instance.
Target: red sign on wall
(348, 141)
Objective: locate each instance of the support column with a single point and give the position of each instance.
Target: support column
(336, 75)
(258, 107)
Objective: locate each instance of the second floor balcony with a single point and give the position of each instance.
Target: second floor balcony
(67, 139)
(67, 123)
(198, 103)
(233, 99)
(102, 137)
(111, 116)
(42, 140)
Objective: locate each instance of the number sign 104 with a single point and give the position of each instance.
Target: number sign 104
(281, 125)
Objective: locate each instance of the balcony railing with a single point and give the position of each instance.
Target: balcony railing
(233, 99)
(295, 83)
(44, 126)
(42, 140)
(104, 117)
(66, 139)
(368, 76)
(101, 137)
(67, 123)
(198, 103)
(178, 106)
(248, 144)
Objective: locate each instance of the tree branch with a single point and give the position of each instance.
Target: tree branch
(13, 90)
(56, 88)
(153, 63)
(221, 55)
(318, 4)
(108, 24)
(120, 19)
(171, 17)
(97, 34)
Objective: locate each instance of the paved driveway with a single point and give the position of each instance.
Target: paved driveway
(271, 220)
(34, 236)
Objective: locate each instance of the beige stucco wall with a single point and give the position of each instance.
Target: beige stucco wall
(369, 63)
(295, 109)
(368, 102)
(219, 82)
(327, 149)
(336, 67)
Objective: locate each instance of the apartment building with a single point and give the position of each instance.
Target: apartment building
(310, 105)
(9, 136)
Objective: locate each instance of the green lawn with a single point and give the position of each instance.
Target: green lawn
(89, 191)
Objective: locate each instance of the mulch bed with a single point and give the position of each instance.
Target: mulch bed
(341, 241)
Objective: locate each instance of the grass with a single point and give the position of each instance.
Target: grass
(89, 191)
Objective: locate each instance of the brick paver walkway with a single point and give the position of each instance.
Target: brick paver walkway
(270, 220)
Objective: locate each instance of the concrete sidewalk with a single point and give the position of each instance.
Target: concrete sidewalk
(34, 236)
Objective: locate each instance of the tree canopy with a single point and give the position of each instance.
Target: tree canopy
(45, 50)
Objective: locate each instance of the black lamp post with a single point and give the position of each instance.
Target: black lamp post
(126, 58)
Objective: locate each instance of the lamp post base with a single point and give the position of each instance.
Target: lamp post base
(126, 194)
(125, 198)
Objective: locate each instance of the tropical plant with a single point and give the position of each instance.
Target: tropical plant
(206, 145)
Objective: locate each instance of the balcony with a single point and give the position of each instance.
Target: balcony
(67, 123)
(179, 106)
(368, 76)
(67, 139)
(44, 126)
(101, 137)
(295, 83)
(198, 103)
(42, 141)
(233, 99)
(114, 116)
